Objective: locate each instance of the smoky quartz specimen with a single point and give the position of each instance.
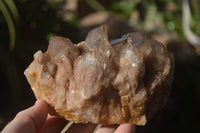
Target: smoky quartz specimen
(126, 80)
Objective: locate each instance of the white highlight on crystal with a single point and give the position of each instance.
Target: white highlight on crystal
(133, 64)
(104, 66)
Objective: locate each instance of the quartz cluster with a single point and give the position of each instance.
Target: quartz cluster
(126, 80)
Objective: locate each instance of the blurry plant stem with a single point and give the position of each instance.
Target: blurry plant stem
(7, 61)
(190, 36)
(10, 23)
(95, 5)
(13, 9)
(67, 126)
(97, 127)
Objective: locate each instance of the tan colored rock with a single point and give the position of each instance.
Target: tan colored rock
(125, 81)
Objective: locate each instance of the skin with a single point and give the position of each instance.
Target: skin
(36, 120)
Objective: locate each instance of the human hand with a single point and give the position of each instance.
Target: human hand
(36, 119)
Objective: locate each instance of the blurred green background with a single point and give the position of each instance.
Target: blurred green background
(27, 25)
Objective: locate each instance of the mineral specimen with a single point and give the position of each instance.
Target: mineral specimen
(126, 80)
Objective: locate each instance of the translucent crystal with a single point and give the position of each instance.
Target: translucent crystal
(125, 81)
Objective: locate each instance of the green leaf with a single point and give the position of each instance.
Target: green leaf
(10, 23)
(124, 7)
(13, 9)
(95, 5)
(50, 34)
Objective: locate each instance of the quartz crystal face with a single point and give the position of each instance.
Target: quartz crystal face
(126, 80)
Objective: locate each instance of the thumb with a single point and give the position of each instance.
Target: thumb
(29, 120)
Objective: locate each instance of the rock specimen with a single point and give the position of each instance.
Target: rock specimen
(123, 81)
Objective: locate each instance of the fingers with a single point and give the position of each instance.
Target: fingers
(53, 125)
(81, 128)
(107, 129)
(32, 119)
(125, 128)
(29, 120)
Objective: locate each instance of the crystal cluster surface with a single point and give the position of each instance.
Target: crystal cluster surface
(126, 80)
